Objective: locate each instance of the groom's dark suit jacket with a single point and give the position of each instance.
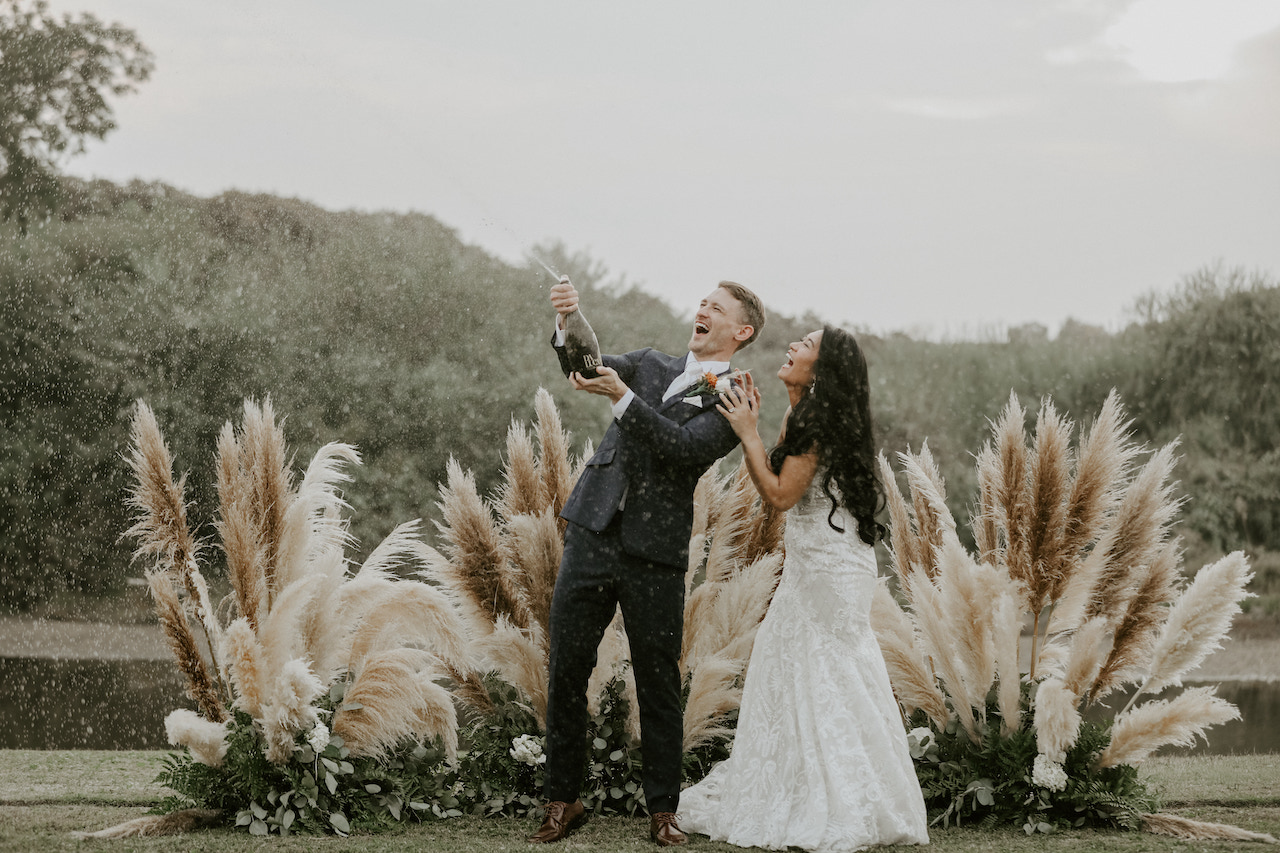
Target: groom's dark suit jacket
(654, 455)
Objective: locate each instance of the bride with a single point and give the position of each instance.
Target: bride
(820, 758)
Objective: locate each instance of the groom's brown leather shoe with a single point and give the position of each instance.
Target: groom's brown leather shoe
(561, 817)
(664, 830)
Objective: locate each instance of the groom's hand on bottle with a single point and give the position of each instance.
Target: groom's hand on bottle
(564, 297)
(607, 384)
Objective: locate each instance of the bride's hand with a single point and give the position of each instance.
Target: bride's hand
(741, 407)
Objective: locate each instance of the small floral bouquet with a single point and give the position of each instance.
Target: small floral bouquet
(710, 383)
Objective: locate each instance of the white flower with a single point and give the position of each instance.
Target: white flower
(922, 737)
(921, 743)
(724, 384)
(527, 749)
(1048, 774)
(319, 737)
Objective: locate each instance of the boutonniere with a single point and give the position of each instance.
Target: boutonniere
(709, 383)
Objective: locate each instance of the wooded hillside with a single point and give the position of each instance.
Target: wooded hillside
(386, 331)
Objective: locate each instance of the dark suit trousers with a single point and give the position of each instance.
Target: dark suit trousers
(595, 576)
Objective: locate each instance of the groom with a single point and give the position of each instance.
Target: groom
(627, 543)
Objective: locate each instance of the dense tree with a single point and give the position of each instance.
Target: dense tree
(55, 76)
(1218, 386)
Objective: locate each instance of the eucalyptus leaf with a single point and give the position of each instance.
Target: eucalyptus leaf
(339, 822)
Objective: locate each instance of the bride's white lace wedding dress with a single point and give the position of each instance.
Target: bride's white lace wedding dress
(820, 758)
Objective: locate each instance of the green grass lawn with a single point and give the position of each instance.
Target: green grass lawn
(44, 796)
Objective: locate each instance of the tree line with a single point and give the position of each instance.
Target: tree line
(385, 330)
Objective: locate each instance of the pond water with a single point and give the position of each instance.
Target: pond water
(52, 703)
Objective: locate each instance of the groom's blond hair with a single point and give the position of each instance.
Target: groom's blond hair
(752, 308)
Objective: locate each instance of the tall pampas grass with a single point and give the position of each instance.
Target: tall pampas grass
(163, 533)
(913, 680)
(1076, 544)
(415, 645)
(300, 618)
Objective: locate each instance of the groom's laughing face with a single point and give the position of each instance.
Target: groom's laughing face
(718, 327)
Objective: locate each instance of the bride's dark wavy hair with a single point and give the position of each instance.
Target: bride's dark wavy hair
(834, 419)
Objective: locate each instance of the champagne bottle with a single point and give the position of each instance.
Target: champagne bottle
(580, 345)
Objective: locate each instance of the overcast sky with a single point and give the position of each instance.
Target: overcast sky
(949, 168)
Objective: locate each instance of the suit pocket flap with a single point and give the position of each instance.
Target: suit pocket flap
(602, 457)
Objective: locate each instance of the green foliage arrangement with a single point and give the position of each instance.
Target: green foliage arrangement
(321, 788)
(1004, 780)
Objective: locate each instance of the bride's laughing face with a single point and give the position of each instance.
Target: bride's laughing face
(802, 358)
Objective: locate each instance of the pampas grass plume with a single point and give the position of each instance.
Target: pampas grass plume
(173, 823)
(1164, 722)
(206, 740)
(245, 662)
(182, 643)
(477, 566)
(1056, 719)
(905, 546)
(913, 684)
(391, 697)
(160, 525)
(523, 491)
(714, 691)
(1197, 830)
(520, 657)
(1199, 620)
(553, 462)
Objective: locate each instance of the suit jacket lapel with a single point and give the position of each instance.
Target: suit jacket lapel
(675, 370)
